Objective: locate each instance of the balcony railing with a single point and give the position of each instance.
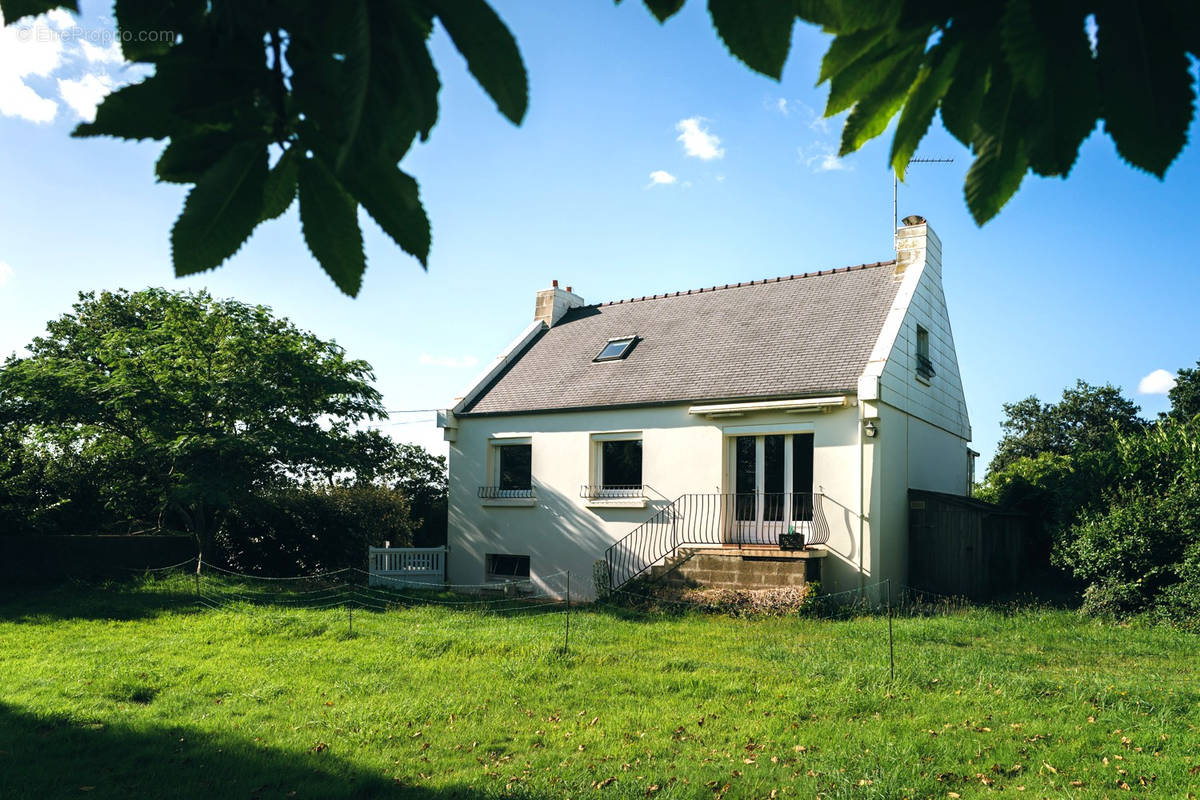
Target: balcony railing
(924, 367)
(498, 493)
(753, 519)
(612, 492)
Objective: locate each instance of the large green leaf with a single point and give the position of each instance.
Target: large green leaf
(869, 71)
(921, 104)
(964, 96)
(1147, 83)
(138, 111)
(221, 211)
(759, 32)
(187, 157)
(279, 190)
(994, 176)
(663, 10)
(13, 10)
(871, 114)
(149, 27)
(491, 53)
(847, 48)
(1047, 50)
(1000, 156)
(392, 199)
(329, 219)
(856, 15)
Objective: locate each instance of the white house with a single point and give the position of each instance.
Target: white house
(719, 417)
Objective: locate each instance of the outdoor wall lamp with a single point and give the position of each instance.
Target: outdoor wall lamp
(871, 429)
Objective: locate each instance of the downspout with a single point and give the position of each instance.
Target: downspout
(862, 491)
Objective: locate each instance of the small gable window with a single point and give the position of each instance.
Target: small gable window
(924, 363)
(616, 349)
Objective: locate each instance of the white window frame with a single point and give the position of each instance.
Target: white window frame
(602, 498)
(492, 468)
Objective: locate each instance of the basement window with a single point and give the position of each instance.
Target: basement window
(924, 363)
(505, 567)
(616, 349)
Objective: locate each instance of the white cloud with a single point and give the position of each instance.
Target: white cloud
(32, 48)
(1157, 382)
(60, 18)
(448, 361)
(660, 177)
(781, 105)
(54, 46)
(102, 55)
(697, 140)
(85, 94)
(821, 157)
(6, 272)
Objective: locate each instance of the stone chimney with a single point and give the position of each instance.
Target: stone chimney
(552, 303)
(916, 242)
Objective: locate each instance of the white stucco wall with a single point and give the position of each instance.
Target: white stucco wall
(940, 400)
(681, 453)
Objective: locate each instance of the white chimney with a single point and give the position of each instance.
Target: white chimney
(552, 303)
(916, 242)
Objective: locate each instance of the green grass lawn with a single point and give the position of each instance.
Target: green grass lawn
(130, 691)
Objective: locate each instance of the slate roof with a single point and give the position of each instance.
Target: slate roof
(801, 335)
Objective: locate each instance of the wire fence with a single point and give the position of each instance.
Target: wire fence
(350, 590)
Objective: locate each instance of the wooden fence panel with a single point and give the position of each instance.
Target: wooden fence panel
(965, 548)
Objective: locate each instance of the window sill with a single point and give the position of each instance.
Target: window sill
(509, 502)
(616, 502)
(926, 380)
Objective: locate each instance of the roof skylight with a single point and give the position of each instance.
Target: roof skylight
(616, 349)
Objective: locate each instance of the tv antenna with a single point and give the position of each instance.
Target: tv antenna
(896, 183)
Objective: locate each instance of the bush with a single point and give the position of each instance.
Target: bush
(300, 531)
(1139, 551)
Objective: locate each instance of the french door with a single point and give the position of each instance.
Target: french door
(772, 477)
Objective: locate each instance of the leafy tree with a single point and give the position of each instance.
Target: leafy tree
(1185, 395)
(298, 530)
(264, 102)
(195, 403)
(422, 478)
(1085, 420)
(1140, 549)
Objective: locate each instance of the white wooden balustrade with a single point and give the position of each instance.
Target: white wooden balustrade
(394, 566)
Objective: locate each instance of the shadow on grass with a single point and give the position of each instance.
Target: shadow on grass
(125, 600)
(49, 757)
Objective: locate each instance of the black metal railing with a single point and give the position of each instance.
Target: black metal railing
(924, 366)
(611, 492)
(498, 493)
(751, 519)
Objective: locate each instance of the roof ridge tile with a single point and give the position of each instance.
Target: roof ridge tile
(796, 276)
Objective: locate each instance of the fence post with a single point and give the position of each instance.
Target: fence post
(196, 582)
(567, 617)
(891, 641)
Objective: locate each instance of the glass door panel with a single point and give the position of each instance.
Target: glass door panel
(745, 478)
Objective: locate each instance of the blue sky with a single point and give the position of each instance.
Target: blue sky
(1093, 277)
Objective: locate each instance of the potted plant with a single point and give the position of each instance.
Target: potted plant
(792, 540)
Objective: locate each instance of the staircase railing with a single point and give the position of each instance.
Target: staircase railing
(753, 519)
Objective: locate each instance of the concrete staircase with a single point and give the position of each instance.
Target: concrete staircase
(738, 568)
